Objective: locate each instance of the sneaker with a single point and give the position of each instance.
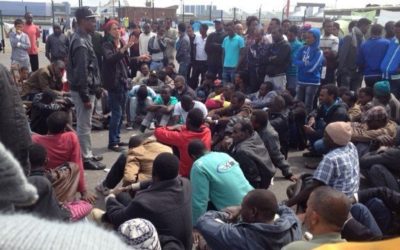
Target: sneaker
(115, 148)
(102, 189)
(92, 165)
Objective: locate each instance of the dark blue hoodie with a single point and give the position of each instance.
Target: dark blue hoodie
(309, 61)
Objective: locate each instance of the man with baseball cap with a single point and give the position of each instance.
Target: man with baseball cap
(84, 78)
(339, 168)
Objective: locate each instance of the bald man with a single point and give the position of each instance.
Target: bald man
(259, 229)
(327, 211)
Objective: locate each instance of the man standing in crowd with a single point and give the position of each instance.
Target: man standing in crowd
(277, 60)
(170, 38)
(57, 45)
(157, 47)
(33, 33)
(348, 74)
(329, 45)
(183, 51)
(371, 54)
(214, 50)
(144, 39)
(84, 78)
(232, 48)
(200, 64)
(391, 63)
(20, 44)
(295, 46)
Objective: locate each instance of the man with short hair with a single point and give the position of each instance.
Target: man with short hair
(173, 214)
(200, 64)
(161, 107)
(141, 96)
(339, 168)
(371, 54)
(295, 46)
(232, 46)
(186, 104)
(183, 51)
(180, 137)
(329, 45)
(47, 78)
(20, 44)
(84, 77)
(389, 30)
(273, 24)
(258, 230)
(144, 39)
(277, 60)
(182, 88)
(63, 146)
(327, 211)
(216, 178)
(249, 151)
(57, 45)
(156, 48)
(347, 72)
(214, 49)
(263, 97)
(33, 33)
(391, 62)
(270, 137)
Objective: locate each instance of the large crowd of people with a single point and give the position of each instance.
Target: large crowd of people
(210, 135)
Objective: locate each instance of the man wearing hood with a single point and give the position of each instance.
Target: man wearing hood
(258, 229)
(348, 74)
(309, 61)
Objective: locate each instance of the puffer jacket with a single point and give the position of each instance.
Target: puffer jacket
(82, 70)
(14, 126)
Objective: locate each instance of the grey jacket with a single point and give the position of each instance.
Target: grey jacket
(20, 45)
(82, 70)
(243, 236)
(57, 47)
(183, 49)
(348, 51)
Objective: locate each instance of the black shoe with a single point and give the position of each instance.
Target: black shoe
(123, 144)
(115, 148)
(92, 165)
(311, 154)
(97, 158)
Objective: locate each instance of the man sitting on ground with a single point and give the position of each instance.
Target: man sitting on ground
(153, 82)
(248, 149)
(259, 229)
(216, 179)
(180, 137)
(263, 97)
(134, 166)
(161, 108)
(46, 78)
(186, 104)
(181, 88)
(173, 214)
(63, 146)
(339, 168)
(326, 214)
(141, 97)
(270, 138)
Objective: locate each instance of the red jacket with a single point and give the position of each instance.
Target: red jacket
(181, 140)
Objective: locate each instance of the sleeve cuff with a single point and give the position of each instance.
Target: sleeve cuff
(108, 197)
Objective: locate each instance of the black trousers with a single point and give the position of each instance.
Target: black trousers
(116, 172)
(199, 69)
(370, 81)
(34, 60)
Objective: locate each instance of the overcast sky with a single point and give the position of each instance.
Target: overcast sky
(250, 6)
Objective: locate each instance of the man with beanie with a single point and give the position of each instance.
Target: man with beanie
(166, 202)
(140, 234)
(339, 168)
(383, 97)
(84, 77)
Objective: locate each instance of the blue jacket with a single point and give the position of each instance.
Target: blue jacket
(390, 65)
(309, 61)
(295, 45)
(221, 235)
(371, 54)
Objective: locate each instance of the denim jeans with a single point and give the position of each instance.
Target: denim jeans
(117, 101)
(291, 84)
(157, 66)
(216, 70)
(306, 93)
(83, 124)
(381, 213)
(362, 214)
(183, 69)
(228, 75)
(352, 80)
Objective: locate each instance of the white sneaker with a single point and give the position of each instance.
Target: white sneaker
(102, 189)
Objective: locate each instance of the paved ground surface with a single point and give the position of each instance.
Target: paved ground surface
(100, 139)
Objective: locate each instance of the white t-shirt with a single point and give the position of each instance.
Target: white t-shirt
(329, 42)
(268, 39)
(200, 43)
(178, 110)
(144, 43)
